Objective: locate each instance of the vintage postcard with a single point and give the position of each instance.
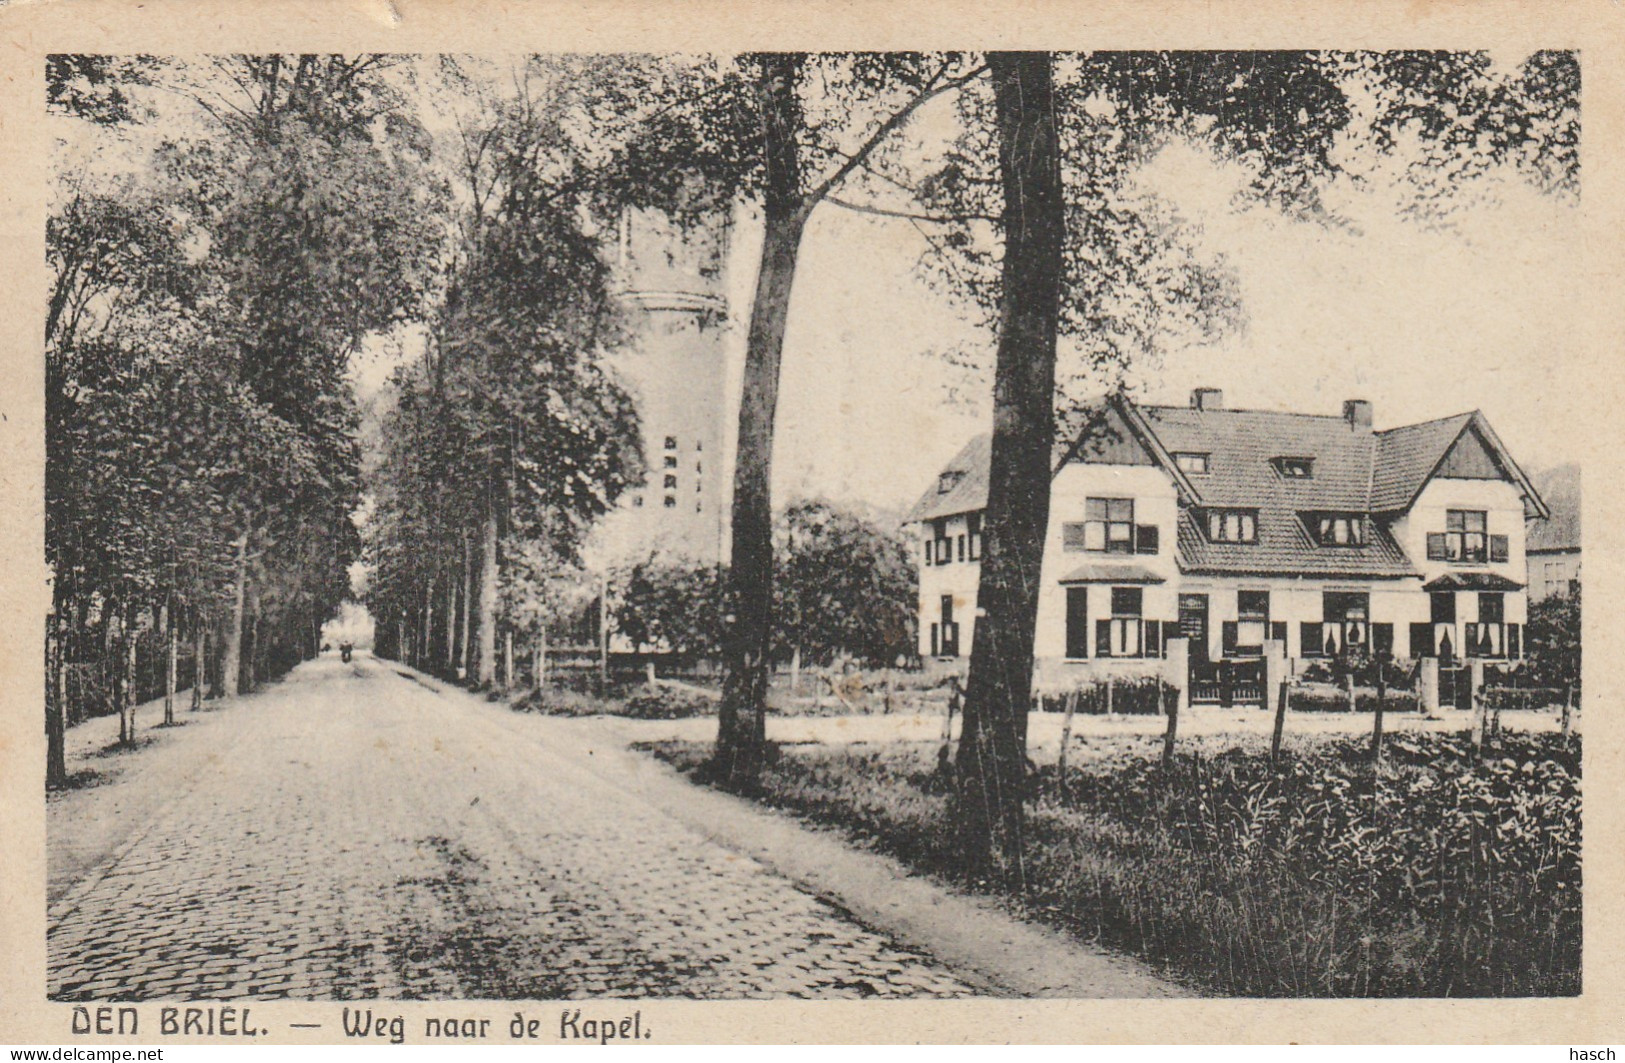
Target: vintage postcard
(739, 522)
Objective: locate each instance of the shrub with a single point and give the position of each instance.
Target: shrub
(668, 703)
(1318, 698)
(1527, 698)
(562, 701)
(1146, 695)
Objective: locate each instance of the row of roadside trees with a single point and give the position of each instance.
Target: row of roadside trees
(223, 235)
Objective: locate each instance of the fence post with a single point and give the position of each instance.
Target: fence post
(1280, 723)
(1173, 729)
(1376, 715)
(1478, 722)
(945, 752)
(1066, 736)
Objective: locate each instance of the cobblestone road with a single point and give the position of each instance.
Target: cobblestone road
(358, 834)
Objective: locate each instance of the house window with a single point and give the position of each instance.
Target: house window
(1339, 529)
(1193, 464)
(671, 501)
(973, 525)
(1232, 525)
(1294, 468)
(1109, 525)
(1077, 622)
(1246, 638)
(671, 461)
(1464, 538)
(671, 482)
(950, 629)
(944, 545)
(1120, 634)
(1345, 619)
(671, 442)
(929, 548)
(961, 547)
(948, 481)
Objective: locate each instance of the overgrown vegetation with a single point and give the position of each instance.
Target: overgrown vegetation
(1432, 874)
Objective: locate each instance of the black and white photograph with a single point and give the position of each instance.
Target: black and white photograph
(604, 526)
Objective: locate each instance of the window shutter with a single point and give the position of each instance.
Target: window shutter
(1073, 537)
(1421, 641)
(1278, 632)
(1153, 638)
(1230, 635)
(1470, 640)
(1146, 539)
(935, 645)
(1077, 622)
(1514, 640)
(1309, 637)
(1498, 548)
(1382, 640)
(1103, 638)
(1436, 547)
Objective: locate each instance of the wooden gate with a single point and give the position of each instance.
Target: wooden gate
(1455, 687)
(1227, 683)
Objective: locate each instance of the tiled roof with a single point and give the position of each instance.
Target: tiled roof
(1407, 456)
(1354, 470)
(1284, 548)
(1560, 487)
(1472, 581)
(966, 496)
(1240, 444)
(1098, 573)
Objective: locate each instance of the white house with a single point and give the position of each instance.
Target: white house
(1236, 537)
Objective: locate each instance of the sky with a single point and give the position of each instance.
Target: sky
(1421, 322)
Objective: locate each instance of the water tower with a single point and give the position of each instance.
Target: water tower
(673, 280)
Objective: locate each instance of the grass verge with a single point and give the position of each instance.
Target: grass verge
(1433, 874)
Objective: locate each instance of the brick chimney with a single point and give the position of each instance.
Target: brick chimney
(1207, 399)
(1357, 412)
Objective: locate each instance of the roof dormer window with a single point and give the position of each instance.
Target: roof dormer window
(1294, 468)
(1232, 525)
(948, 481)
(1191, 463)
(1337, 529)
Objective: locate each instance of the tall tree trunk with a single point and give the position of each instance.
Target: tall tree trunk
(488, 598)
(126, 683)
(451, 623)
(741, 720)
(231, 672)
(56, 702)
(507, 660)
(171, 662)
(538, 671)
(463, 665)
(200, 659)
(991, 767)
